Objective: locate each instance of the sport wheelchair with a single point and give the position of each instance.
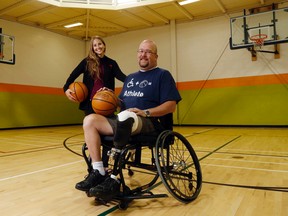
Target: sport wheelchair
(173, 159)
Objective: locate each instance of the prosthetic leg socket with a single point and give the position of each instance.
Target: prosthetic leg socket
(123, 132)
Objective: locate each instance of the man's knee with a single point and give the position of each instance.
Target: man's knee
(90, 120)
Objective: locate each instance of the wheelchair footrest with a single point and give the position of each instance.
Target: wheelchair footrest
(147, 196)
(141, 195)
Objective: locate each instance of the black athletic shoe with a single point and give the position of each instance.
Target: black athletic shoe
(106, 190)
(91, 180)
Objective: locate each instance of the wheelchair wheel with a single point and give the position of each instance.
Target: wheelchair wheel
(178, 166)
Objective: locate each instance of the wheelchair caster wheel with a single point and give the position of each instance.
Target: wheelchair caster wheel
(130, 172)
(123, 205)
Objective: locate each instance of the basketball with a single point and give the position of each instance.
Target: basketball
(80, 91)
(104, 103)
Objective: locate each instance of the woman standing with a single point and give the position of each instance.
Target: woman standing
(98, 71)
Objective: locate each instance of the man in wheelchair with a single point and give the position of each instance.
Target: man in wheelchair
(146, 96)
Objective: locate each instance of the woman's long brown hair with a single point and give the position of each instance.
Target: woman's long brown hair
(93, 60)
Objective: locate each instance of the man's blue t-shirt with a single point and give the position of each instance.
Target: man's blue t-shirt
(149, 89)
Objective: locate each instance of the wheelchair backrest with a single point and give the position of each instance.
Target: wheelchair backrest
(167, 121)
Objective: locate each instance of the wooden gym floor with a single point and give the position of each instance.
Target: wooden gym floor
(245, 172)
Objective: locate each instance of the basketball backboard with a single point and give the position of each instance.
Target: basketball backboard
(7, 49)
(271, 25)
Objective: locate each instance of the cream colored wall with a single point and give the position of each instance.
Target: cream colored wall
(212, 57)
(202, 51)
(42, 58)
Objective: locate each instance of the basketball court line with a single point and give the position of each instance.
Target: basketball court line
(220, 147)
(284, 153)
(37, 149)
(199, 132)
(39, 171)
(249, 153)
(254, 187)
(22, 152)
(29, 149)
(248, 161)
(246, 168)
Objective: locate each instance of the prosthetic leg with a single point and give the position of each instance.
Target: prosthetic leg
(123, 132)
(125, 126)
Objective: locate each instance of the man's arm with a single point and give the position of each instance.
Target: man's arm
(161, 110)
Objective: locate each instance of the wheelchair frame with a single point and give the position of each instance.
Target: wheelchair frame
(173, 160)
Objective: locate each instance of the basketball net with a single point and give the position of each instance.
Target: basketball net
(258, 41)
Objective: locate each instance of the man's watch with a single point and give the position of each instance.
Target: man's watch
(147, 113)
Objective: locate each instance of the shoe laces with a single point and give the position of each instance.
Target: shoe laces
(90, 175)
(109, 181)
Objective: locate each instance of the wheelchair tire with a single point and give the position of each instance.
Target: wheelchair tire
(178, 166)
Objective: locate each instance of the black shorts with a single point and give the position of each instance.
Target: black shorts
(147, 124)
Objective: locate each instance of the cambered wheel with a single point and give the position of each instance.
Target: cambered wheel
(178, 166)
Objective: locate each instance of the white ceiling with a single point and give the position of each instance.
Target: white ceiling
(104, 22)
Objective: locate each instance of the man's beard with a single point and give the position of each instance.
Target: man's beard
(144, 64)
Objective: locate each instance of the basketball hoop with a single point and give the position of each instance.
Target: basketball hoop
(258, 41)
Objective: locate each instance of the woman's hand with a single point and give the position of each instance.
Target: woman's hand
(70, 95)
(105, 88)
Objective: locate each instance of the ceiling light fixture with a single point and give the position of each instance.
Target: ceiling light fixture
(188, 2)
(126, 1)
(73, 25)
(104, 4)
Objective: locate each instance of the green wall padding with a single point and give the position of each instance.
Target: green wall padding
(249, 105)
(263, 105)
(29, 110)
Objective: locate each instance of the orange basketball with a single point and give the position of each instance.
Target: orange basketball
(80, 91)
(104, 103)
